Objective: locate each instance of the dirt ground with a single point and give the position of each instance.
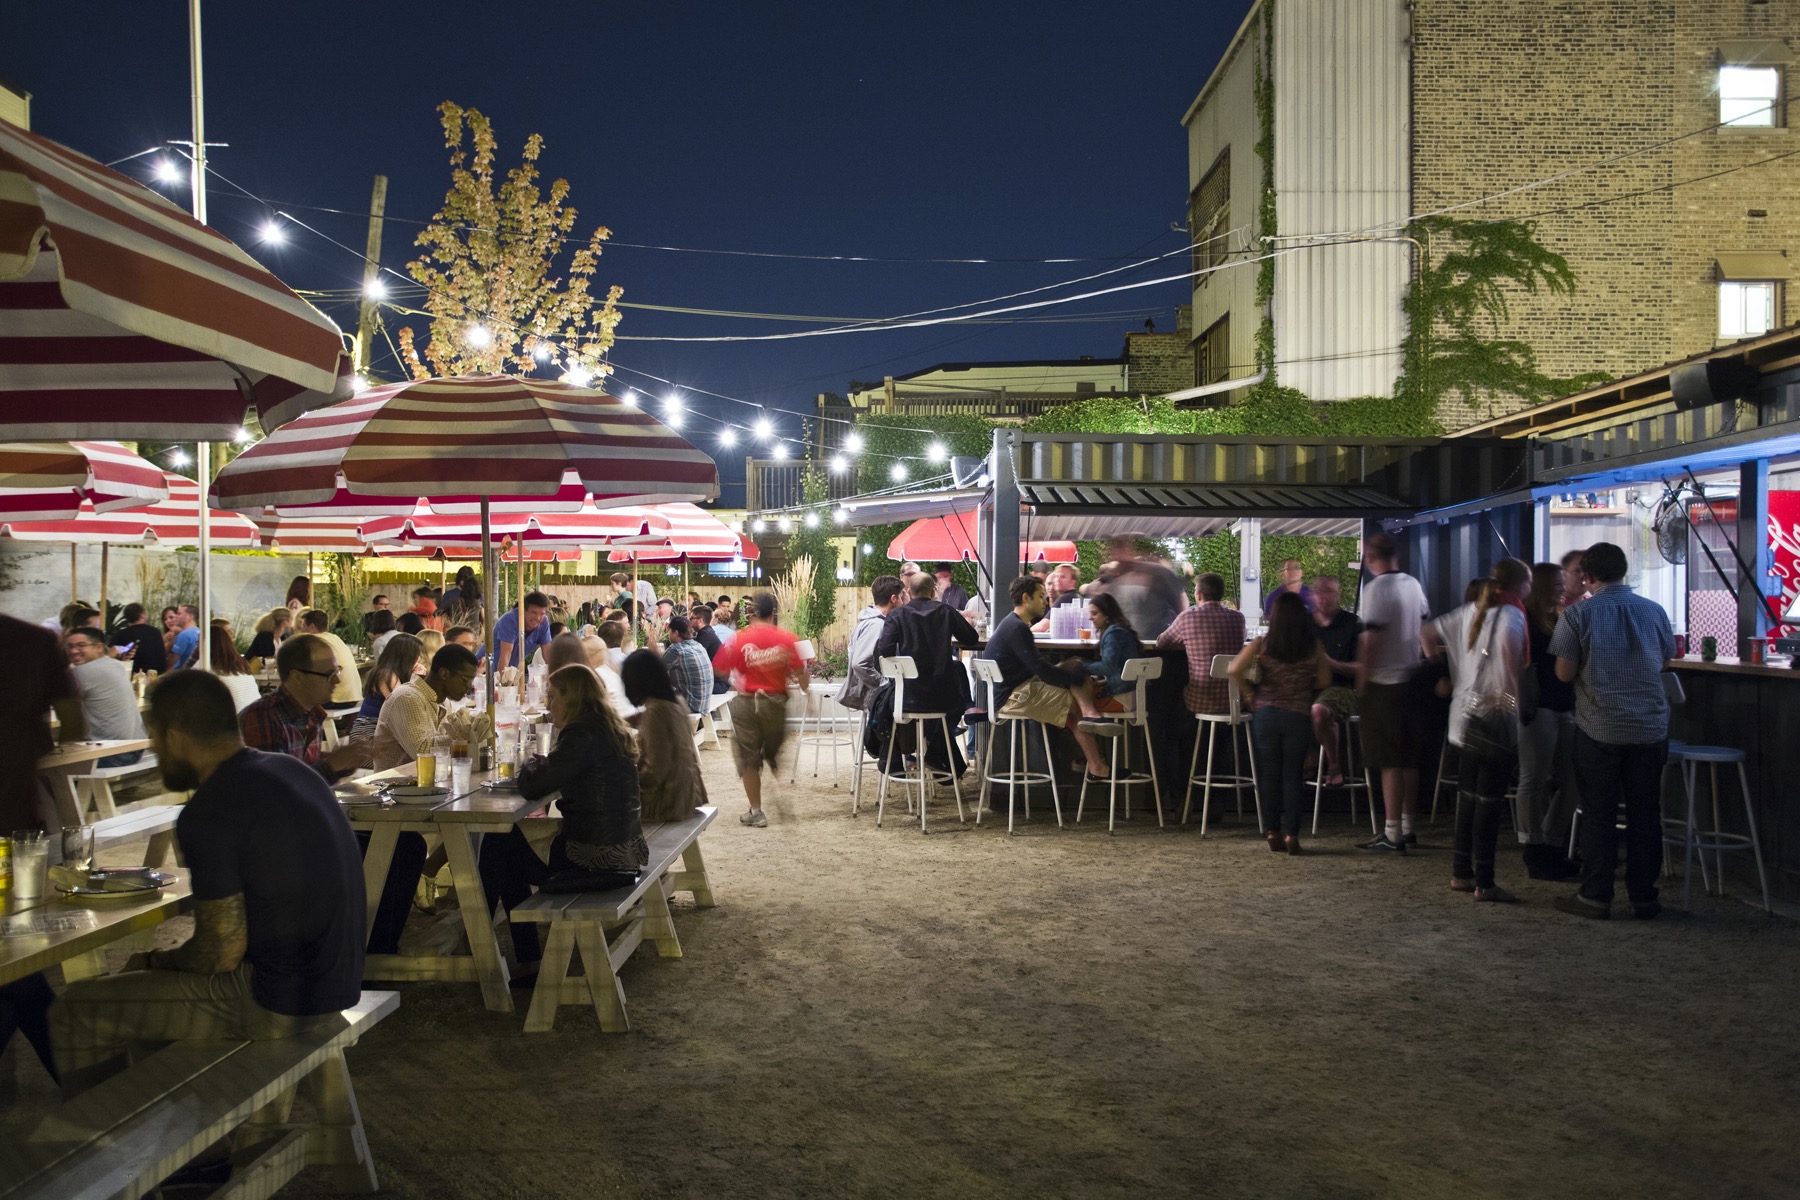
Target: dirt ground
(869, 1012)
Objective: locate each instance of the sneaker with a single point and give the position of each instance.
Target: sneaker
(755, 818)
(1495, 895)
(1576, 906)
(1411, 839)
(1461, 885)
(1382, 846)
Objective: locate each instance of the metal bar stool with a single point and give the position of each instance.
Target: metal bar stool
(824, 729)
(1350, 729)
(1012, 779)
(901, 668)
(1231, 720)
(1715, 839)
(1118, 726)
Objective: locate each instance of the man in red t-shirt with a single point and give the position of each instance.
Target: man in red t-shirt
(760, 661)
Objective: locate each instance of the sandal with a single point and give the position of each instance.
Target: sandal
(1334, 779)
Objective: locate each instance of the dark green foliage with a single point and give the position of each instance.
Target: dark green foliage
(817, 542)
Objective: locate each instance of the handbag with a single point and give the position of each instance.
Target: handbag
(1490, 716)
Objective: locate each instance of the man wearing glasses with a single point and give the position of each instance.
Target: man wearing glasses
(288, 721)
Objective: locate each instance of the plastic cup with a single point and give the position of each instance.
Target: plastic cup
(462, 772)
(30, 866)
(427, 768)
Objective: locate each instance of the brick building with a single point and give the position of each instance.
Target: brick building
(1680, 236)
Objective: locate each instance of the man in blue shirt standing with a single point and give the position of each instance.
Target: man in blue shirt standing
(690, 670)
(1613, 647)
(506, 632)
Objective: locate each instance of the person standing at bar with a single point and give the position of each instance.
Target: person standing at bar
(1393, 610)
(1613, 646)
(1547, 792)
(1338, 631)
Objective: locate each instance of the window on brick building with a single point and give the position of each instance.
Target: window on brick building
(1212, 353)
(1748, 307)
(1750, 95)
(1209, 214)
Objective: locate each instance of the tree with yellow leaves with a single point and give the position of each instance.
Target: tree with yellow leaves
(490, 269)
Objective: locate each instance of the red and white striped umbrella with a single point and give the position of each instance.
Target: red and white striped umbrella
(951, 536)
(310, 534)
(742, 548)
(122, 316)
(522, 445)
(174, 521)
(54, 481)
(691, 532)
(588, 526)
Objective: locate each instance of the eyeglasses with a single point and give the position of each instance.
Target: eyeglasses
(331, 674)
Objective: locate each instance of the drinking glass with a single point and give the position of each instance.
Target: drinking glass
(461, 775)
(30, 865)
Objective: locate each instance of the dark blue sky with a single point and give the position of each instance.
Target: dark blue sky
(904, 131)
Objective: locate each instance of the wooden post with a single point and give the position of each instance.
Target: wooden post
(366, 314)
(74, 586)
(105, 625)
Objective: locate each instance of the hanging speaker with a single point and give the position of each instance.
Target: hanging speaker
(1696, 384)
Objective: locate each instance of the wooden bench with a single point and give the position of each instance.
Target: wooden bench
(583, 920)
(94, 789)
(121, 1139)
(156, 822)
(707, 724)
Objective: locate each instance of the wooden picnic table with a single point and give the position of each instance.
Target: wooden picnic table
(84, 939)
(455, 819)
(55, 771)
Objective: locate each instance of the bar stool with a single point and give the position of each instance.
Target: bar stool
(901, 668)
(1118, 726)
(1012, 779)
(1354, 781)
(824, 729)
(1715, 839)
(1231, 720)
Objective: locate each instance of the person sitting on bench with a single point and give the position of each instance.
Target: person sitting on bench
(594, 767)
(278, 889)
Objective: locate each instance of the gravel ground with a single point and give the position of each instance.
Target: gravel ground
(872, 1012)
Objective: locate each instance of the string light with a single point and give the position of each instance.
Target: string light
(784, 525)
(812, 520)
(178, 457)
(936, 452)
(841, 515)
(479, 337)
(764, 428)
(728, 438)
(375, 289)
(272, 233)
(839, 464)
(758, 525)
(868, 548)
(780, 450)
(898, 473)
(629, 399)
(242, 436)
(167, 171)
(578, 375)
(853, 442)
(674, 418)
(359, 384)
(541, 352)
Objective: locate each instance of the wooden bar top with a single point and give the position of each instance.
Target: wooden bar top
(1732, 666)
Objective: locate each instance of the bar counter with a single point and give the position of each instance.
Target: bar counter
(1753, 707)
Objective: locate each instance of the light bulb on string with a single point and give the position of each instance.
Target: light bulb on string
(936, 452)
(674, 418)
(728, 438)
(359, 384)
(780, 450)
(178, 457)
(479, 337)
(577, 375)
(375, 290)
(242, 436)
(853, 442)
(841, 515)
(758, 525)
(272, 232)
(898, 473)
(541, 352)
(812, 520)
(764, 427)
(629, 399)
(783, 525)
(868, 548)
(839, 464)
(166, 171)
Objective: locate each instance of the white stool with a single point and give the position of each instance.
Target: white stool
(1231, 720)
(1438, 785)
(1715, 839)
(859, 755)
(901, 668)
(1012, 779)
(1118, 726)
(812, 711)
(706, 725)
(1351, 729)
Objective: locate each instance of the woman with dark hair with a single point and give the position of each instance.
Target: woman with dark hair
(299, 597)
(381, 628)
(1118, 646)
(231, 668)
(1488, 646)
(169, 631)
(594, 768)
(669, 780)
(398, 663)
(1294, 669)
(1547, 798)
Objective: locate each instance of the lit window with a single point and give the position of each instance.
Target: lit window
(1747, 308)
(1749, 95)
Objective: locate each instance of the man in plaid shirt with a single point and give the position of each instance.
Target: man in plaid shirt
(289, 719)
(1205, 630)
(690, 670)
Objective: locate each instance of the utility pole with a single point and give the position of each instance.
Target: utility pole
(203, 449)
(371, 286)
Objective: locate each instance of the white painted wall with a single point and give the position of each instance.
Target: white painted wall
(1341, 164)
(244, 586)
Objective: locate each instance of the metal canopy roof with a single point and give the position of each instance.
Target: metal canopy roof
(1192, 501)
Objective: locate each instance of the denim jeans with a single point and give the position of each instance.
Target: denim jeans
(397, 890)
(1480, 802)
(1614, 776)
(120, 760)
(1547, 791)
(1280, 740)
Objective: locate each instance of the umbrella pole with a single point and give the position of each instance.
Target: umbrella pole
(203, 458)
(105, 624)
(487, 600)
(637, 601)
(519, 549)
(74, 586)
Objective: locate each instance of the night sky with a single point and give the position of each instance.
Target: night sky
(904, 133)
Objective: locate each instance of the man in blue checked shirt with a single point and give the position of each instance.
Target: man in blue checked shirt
(1613, 647)
(690, 668)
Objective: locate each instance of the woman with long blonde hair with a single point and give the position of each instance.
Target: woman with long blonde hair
(1488, 648)
(594, 768)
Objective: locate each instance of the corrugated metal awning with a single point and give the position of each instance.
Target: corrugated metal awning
(1195, 501)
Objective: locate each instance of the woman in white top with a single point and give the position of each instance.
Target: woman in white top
(1487, 646)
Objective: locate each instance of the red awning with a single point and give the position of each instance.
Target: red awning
(951, 536)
